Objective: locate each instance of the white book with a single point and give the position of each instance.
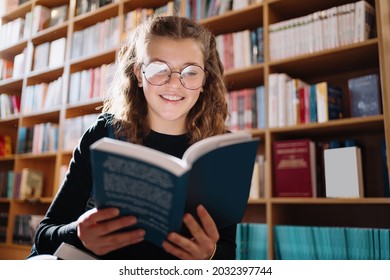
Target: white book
(57, 52)
(364, 20)
(69, 252)
(343, 173)
(41, 56)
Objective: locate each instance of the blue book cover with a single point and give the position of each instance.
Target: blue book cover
(313, 104)
(365, 95)
(159, 188)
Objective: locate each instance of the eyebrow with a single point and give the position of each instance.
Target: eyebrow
(183, 66)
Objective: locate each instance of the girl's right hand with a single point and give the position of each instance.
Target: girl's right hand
(97, 230)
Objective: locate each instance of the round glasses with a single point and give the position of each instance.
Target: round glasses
(158, 73)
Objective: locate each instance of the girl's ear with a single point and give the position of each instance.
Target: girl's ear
(138, 74)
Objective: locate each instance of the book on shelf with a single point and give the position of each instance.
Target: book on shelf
(343, 172)
(364, 21)
(57, 52)
(58, 15)
(31, 183)
(5, 145)
(365, 95)
(294, 168)
(41, 56)
(25, 227)
(215, 172)
(6, 183)
(40, 19)
(7, 69)
(329, 102)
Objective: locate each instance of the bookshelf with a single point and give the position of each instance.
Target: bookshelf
(335, 65)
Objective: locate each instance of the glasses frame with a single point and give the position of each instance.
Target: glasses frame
(170, 75)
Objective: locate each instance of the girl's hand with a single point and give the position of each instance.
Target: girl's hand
(202, 245)
(97, 230)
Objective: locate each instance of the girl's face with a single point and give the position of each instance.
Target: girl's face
(169, 104)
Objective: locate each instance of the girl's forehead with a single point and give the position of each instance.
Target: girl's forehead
(186, 50)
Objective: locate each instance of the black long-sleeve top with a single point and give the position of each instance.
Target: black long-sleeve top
(74, 198)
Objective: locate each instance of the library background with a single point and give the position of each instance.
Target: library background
(311, 79)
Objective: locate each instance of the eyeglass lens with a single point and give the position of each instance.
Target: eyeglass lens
(159, 73)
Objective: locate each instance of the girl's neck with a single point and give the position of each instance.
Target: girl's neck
(169, 127)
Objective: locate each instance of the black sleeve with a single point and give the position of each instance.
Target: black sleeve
(226, 246)
(59, 224)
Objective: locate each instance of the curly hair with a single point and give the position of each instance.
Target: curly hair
(127, 101)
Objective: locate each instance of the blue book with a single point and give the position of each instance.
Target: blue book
(365, 95)
(257, 249)
(261, 107)
(159, 188)
(313, 104)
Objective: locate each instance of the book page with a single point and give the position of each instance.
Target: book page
(142, 153)
(206, 145)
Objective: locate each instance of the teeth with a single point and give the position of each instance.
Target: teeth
(172, 97)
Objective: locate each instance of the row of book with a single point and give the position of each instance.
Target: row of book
(86, 6)
(241, 49)
(49, 54)
(9, 5)
(25, 227)
(200, 9)
(17, 67)
(3, 225)
(74, 129)
(38, 138)
(96, 38)
(28, 184)
(90, 84)
(38, 19)
(43, 96)
(9, 105)
(331, 243)
(292, 101)
(326, 29)
(332, 168)
(25, 184)
(246, 108)
(251, 241)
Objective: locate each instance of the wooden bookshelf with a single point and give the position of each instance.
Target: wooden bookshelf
(332, 65)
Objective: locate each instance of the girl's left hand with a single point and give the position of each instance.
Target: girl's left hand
(204, 239)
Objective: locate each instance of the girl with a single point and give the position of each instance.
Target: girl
(168, 93)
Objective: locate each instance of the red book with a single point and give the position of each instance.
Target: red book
(294, 168)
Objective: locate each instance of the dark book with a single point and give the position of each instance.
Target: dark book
(365, 95)
(294, 168)
(159, 188)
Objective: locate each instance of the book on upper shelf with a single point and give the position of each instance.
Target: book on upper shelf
(159, 188)
(329, 102)
(58, 15)
(31, 184)
(40, 18)
(365, 95)
(294, 165)
(343, 172)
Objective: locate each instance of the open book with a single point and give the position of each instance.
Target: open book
(159, 188)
